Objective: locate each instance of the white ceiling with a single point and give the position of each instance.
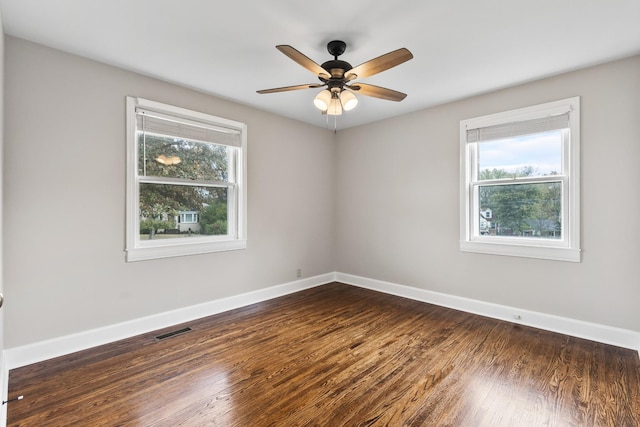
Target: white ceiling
(227, 48)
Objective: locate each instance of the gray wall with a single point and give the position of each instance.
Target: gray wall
(393, 216)
(398, 203)
(65, 192)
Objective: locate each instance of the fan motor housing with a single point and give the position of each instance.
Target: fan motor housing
(336, 68)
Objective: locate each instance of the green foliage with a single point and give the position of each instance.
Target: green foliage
(189, 159)
(514, 206)
(494, 173)
(518, 209)
(151, 226)
(156, 216)
(213, 219)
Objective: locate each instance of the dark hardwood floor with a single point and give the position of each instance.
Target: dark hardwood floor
(336, 355)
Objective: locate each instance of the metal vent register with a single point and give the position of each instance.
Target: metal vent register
(173, 334)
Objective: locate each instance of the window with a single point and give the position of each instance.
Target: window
(186, 175)
(188, 217)
(520, 182)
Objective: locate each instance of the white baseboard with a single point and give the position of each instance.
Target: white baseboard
(32, 353)
(592, 331)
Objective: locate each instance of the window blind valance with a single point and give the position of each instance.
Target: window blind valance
(151, 122)
(527, 127)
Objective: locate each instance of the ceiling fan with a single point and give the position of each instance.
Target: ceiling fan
(338, 77)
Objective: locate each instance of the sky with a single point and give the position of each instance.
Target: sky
(543, 151)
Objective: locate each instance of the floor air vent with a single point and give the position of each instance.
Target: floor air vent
(172, 334)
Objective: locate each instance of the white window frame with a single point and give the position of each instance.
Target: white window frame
(138, 250)
(565, 249)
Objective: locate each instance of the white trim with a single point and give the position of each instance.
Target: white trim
(236, 239)
(539, 252)
(32, 353)
(182, 248)
(577, 328)
(568, 248)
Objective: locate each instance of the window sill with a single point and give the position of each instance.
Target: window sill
(526, 251)
(182, 249)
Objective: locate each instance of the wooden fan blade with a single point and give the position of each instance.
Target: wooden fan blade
(378, 92)
(288, 88)
(303, 60)
(379, 64)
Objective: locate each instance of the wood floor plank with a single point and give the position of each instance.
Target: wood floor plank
(336, 355)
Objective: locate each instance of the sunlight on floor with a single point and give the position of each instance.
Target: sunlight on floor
(519, 405)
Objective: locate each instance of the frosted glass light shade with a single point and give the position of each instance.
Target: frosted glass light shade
(348, 100)
(322, 100)
(335, 107)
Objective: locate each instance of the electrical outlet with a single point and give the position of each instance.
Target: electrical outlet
(299, 273)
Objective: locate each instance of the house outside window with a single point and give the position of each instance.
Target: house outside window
(188, 217)
(520, 182)
(188, 222)
(186, 175)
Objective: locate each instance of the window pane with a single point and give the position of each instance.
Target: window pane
(537, 154)
(172, 211)
(522, 210)
(179, 158)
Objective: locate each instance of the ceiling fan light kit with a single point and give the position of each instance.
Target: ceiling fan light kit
(337, 76)
(335, 107)
(348, 100)
(322, 100)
